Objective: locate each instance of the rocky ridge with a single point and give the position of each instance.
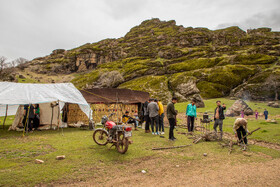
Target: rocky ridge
(166, 59)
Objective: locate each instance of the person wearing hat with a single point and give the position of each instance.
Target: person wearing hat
(127, 119)
(191, 115)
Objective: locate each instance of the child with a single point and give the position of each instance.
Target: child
(256, 114)
(242, 113)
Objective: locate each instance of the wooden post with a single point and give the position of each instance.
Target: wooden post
(58, 121)
(230, 147)
(173, 147)
(5, 116)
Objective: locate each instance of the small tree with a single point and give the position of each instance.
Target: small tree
(20, 61)
(2, 63)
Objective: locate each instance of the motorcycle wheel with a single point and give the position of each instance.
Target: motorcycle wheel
(122, 144)
(100, 136)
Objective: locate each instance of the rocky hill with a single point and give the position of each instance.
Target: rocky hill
(166, 59)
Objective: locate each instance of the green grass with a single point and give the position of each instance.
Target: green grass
(210, 105)
(18, 153)
(269, 132)
(85, 159)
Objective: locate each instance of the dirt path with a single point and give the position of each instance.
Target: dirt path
(209, 172)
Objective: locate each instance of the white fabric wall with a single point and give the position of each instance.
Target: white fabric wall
(12, 109)
(16, 94)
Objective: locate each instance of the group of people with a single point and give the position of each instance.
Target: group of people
(154, 116)
(191, 116)
(265, 113)
(31, 119)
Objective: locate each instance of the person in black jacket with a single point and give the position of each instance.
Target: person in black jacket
(219, 117)
(171, 116)
(29, 114)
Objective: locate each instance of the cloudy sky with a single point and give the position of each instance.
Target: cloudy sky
(33, 28)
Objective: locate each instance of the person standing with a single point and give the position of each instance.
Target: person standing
(171, 115)
(240, 130)
(36, 120)
(146, 117)
(242, 113)
(191, 115)
(219, 117)
(29, 114)
(161, 117)
(265, 113)
(256, 114)
(153, 114)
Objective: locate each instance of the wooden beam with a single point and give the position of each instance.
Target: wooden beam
(5, 116)
(173, 147)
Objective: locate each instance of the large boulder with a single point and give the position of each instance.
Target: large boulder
(273, 104)
(110, 79)
(199, 101)
(237, 107)
(262, 86)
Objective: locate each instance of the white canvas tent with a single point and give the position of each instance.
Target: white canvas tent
(14, 95)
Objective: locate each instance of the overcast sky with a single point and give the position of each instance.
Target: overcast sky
(33, 28)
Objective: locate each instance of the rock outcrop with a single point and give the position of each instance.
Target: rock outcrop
(273, 104)
(167, 59)
(237, 107)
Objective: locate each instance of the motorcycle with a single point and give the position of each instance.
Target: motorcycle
(118, 135)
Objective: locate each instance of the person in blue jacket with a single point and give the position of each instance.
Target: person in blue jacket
(191, 115)
(265, 113)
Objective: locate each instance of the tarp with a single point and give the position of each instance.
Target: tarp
(15, 94)
(113, 95)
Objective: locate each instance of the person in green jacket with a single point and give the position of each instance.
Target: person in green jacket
(191, 115)
(171, 116)
(36, 120)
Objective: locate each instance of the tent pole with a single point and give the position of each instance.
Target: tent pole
(5, 116)
(52, 116)
(26, 120)
(117, 108)
(58, 121)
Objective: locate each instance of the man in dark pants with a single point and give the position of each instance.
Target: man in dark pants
(146, 117)
(153, 113)
(240, 130)
(161, 117)
(171, 113)
(28, 117)
(191, 115)
(219, 117)
(265, 113)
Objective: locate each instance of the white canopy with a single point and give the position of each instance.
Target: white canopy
(15, 94)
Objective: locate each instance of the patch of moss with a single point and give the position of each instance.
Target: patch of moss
(59, 60)
(231, 75)
(194, 64)
(179, 78)
(212, 90)
(250, 59)
(81, 80)
(157, 86)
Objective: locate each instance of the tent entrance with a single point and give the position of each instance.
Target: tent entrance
(49, 117)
